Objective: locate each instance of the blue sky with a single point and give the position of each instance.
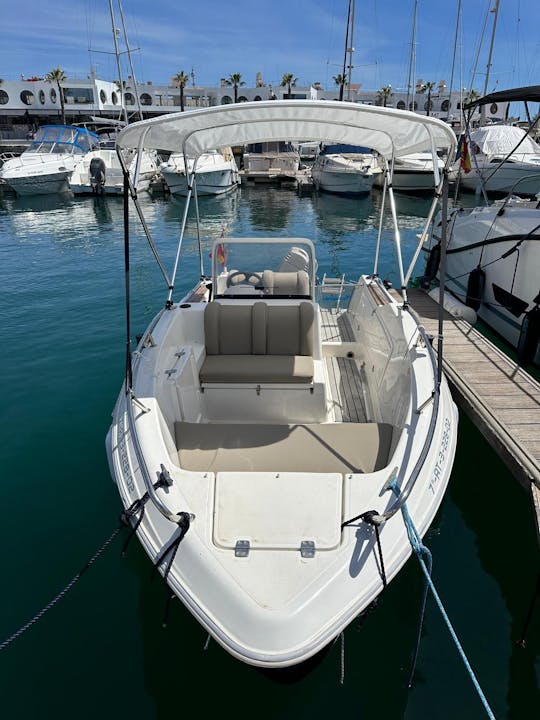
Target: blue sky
(303, 37)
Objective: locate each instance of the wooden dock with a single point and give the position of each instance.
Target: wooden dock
(501, 398)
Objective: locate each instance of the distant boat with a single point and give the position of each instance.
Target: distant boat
(216, 172)
(271, 159)
(413, 173)
(492, 265)
(47, 164)
(345, 170)
(100, 173)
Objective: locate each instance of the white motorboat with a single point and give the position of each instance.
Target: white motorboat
(275, 437)
(413, 173)
(504, 158)
(48, 163)
(270, 159)
(100, 172)
(345, 169)
(216, 172)
(492, 262)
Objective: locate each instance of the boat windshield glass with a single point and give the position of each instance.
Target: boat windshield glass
(61, 139)
(342, 149)
(266, 268)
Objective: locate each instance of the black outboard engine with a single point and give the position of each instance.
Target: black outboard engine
(97, 176)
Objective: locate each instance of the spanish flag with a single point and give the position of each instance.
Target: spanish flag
(221, 255)
(465, 158)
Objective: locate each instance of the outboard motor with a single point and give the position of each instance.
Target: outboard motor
(97, 175)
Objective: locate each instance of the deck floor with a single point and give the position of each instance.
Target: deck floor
(345, 382)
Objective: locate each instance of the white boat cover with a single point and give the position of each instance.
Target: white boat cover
(386, 130)
(503, 139)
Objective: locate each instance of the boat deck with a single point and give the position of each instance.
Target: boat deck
(501, 398)
(345, 382)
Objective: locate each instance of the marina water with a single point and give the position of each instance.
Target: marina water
(101, 651)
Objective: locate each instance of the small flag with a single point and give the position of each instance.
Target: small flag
(221, 255)
(465, 158)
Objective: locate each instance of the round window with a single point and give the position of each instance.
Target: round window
(102, 96)
(129, 99)
(226, 100)
(400, 105)
(493, 109)
(4, 97)
(445, 105)
(114, 98)
(42, 97)
(52, 95)
(27, 97)
(146, 99)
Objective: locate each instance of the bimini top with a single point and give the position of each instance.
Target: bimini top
(530, 93)
(386, 130)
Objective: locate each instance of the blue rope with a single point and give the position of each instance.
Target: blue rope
(420, 549)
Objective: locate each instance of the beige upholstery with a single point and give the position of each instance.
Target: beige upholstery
(258, 343)
(286, 283)
(325, 448)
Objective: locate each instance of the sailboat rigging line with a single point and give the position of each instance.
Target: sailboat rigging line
(129, 370)
(420, 549)
(17, 634)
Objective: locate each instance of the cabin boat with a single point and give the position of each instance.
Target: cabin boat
(47, 164)
(215, 173)
(345, 169)
(274, 431)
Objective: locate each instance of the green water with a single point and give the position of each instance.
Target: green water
(102, 652)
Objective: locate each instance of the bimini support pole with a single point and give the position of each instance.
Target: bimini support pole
(381, 218)
(397, 238)
(190, 179)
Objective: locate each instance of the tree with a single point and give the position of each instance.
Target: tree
(181, 81)
(288, 80)
(236, 81)
(383, 95)
(57, 76)
(340, 81)
(429, 87)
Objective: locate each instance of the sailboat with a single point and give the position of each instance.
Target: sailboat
(276, 435)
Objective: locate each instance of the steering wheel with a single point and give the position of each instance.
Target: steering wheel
(241, 278)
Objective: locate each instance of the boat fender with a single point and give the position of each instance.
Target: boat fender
(97, 175)
(529, 337)
(475, 288)
(432, 266)
(454, 306)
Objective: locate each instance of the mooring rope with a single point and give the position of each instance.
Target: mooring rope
(62, 593)
(420, 549)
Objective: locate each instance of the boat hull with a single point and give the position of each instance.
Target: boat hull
(208, 183)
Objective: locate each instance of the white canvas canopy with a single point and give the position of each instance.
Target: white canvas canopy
(503, 139)
(386, 130)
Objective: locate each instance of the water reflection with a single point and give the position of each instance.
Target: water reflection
(338, 216)
(269, 206)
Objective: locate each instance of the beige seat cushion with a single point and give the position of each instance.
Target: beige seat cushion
(257, 369)
(324, 448)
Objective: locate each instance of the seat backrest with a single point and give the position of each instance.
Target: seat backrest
(286, 283)
(259, 329)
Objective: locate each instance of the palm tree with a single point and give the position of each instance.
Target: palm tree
(383, 95)
(340, 80)
(57, 76)
(235, 80)
(181, 81)
(288, 80)
(429, 87)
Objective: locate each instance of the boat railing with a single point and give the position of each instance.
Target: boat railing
(518, 182)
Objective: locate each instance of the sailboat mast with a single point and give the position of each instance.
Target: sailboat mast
(344, 72)
(412, 59)
(350, 49)
(115, 32)
(136, 92)
(495, 12)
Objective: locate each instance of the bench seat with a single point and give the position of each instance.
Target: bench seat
(257, 369)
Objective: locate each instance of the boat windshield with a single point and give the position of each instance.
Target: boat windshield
(270, 268)
(62, 139)
(343, 149)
